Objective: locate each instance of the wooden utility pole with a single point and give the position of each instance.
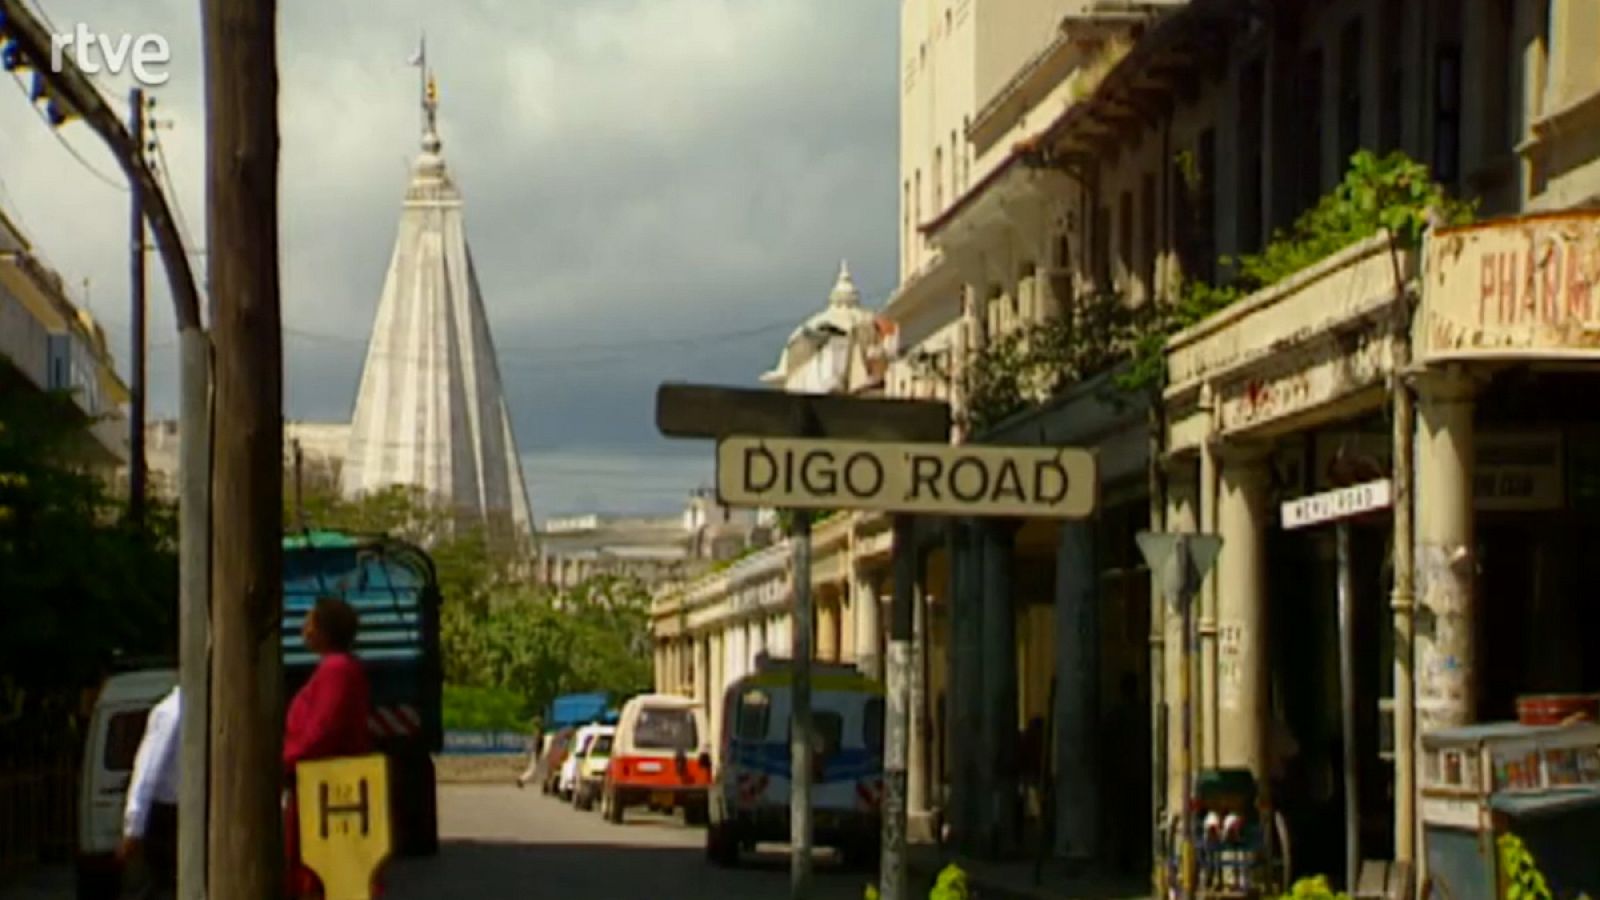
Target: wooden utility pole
(241, 77)
(136, 466)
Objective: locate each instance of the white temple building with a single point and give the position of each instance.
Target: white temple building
(431, 410)
(843, 348)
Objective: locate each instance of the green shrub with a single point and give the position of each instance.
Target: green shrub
(484, 709)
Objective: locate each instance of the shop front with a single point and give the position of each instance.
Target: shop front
(1508, 510)
(1283, 395)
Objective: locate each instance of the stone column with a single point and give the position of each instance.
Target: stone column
(998, 765)
(827, 624)
(1077, 690)
(965, 721)
(1207, 720)
(1182, 518)
(868, 624)
(1242, 516)
(1446, 667)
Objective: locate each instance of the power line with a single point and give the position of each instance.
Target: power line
(56, 133)
(512, 351)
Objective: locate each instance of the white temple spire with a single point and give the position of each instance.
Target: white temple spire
(431, 410)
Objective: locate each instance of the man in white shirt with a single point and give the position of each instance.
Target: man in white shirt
(150, 818)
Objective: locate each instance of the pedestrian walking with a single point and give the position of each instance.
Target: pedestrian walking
(535, 754)
(327, 719)
(149, 848)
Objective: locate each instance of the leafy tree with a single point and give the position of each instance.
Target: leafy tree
(80, 585)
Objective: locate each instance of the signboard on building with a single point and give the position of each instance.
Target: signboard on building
(969, 480)
(1518, 472)
(1343, 503)
(1513, 288)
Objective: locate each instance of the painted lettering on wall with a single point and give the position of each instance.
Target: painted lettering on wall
(1525, 285)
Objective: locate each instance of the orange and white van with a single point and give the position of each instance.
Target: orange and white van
(660, 759)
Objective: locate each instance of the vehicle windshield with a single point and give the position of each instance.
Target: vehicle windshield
(666, 729)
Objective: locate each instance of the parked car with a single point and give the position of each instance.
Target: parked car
(554, 756)
(115, 729)
(567, 784)
(660, 759)
(749, 798)
(592, 767)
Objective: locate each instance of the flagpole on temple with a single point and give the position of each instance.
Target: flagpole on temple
(420, 60)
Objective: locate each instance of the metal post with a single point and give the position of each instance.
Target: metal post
(897, 730)
(136, 400)
(1347, 667)
(800, 758)
(194, 589)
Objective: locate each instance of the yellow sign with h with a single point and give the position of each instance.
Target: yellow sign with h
(344, 822)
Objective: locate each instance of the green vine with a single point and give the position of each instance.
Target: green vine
(1038, 361)
(1392, 192)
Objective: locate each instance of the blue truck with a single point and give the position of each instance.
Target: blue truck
(394, 588)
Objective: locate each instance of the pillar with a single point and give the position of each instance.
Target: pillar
(965, 721)
(1182, 518)
(827, 625)
(1000, 813)
(1077, 689)
(1243, 713)
(1446, 657)
(869, 625)
(1207, 747)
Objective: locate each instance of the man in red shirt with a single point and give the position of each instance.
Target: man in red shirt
(327, 719)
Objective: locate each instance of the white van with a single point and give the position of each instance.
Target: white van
(115, 730)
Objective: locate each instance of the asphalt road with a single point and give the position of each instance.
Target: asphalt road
(500, 842)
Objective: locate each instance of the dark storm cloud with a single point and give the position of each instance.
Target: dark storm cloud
(633, 170)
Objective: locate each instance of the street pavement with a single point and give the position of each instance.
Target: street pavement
(499, 842)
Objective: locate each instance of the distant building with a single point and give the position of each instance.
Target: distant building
(321, 454)
(659, 551)
(49, 344)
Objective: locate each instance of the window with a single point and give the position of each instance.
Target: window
(1447, 118)
(1101, 244)
(1125, 233)
(755, 713)
(1205, 236)
(938, 180)
(665, 729)
(601, 748)
(1252, 151)
(906, 241)
(916, 210)
(123, 734)
(1391, 106)
(1308, 137)
(827, 730)
(1351, 53)
(1147, 231)
(955, 165)
(872, 725)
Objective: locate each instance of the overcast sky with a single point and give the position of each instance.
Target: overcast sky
(636, 173)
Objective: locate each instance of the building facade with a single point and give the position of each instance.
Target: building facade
(49, 344)
(1109, 167)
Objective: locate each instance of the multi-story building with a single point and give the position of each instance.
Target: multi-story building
(49, 344)
(1112, 163)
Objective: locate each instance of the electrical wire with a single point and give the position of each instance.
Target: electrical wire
(56, 133)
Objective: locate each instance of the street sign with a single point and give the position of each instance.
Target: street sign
(344, 822)
(968, 480)
(712, 411)
(1180, 560)
(1343, 503)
